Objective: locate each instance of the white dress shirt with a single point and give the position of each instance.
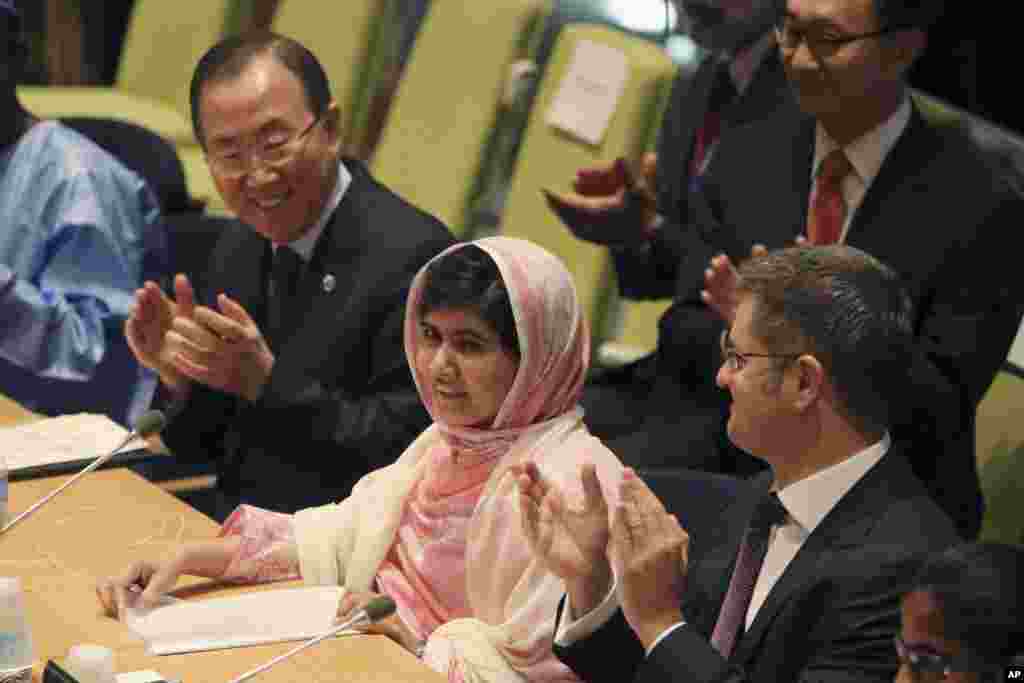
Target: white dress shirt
(304, 245)
(807, 503)
(866, 155)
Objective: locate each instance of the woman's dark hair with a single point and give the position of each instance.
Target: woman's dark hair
(980, 590)
(468, 278)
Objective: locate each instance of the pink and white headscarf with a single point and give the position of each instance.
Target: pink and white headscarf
(442, 534)
(554, 344)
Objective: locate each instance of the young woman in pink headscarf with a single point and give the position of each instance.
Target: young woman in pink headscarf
(499, 349)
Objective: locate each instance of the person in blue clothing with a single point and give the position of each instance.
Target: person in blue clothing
(79, 233)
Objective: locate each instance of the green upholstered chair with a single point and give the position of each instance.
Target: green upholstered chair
(1001, 458)
(549, 158)
(346, 37)
(162, 45)
(450, 101)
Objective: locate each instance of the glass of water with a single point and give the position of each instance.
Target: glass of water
(15, 640)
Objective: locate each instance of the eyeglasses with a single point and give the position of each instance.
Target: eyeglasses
(936, 666)
(736, 360)
(790, 37)
(275, 155)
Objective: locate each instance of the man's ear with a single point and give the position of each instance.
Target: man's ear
(810, 381)
(332, 124)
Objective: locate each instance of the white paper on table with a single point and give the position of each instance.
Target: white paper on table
(140, 677)
(272, 616)
(589, 91)
(59, 439)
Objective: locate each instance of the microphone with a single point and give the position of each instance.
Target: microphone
(379, 608)
(149, 423)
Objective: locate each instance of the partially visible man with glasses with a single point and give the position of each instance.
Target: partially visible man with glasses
(963, 619)
(289, 371)
(866, 163)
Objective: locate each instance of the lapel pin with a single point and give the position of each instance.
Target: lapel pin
(329, 283)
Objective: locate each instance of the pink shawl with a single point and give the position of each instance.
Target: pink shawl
(455, 559)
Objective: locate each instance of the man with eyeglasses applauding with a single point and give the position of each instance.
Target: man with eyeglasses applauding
(290, 371)
(869, 165)
(795, 575)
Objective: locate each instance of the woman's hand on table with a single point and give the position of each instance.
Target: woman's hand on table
(392, 627)
(145, 581)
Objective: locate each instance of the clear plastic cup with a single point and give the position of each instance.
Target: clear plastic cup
(16, 654)
(91, 664)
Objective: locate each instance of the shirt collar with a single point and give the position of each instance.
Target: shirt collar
(867, 152)
(745, 64)
(304, 245)
(809, 500)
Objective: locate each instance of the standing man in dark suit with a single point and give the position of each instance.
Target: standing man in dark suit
(801, 577)
(863, 165)
(292, 375)
(739, 81)
(924, 196)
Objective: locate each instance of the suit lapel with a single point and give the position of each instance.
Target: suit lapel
(325, 285)
(844, 527)
(696, 105)
(246, 274)
(710, 578)
(905, 174)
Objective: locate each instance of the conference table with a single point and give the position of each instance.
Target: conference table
(111, 518)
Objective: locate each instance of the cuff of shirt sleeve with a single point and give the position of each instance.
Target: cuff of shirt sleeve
(664, 634)
(568, 632)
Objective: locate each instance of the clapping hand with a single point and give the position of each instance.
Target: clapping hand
(224, 350)
(720, 280)
(609, 205)
(149, 323)
(570, 542)
(650, 554)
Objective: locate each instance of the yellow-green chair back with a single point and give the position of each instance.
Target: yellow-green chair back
(162, 45)
(447, 103)
(549, 158)
(1000, 447)
(343, 36)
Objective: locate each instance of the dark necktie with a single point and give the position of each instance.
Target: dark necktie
(284, 278)
(827, 215)
(732, 617)
(723, 92)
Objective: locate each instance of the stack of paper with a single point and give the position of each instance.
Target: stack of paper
(59, 439)
(250, 619)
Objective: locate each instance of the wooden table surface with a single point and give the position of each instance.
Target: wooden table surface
(109, 519)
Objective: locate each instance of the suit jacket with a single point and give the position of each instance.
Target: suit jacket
(651, 274)
(657, 418)
(340, 400)
(936, 213)
(832, 614)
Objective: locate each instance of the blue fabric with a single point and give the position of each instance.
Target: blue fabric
(78, 234)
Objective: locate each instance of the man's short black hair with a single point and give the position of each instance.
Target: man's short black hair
(228, 59)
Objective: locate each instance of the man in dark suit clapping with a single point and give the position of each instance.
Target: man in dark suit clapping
(292, 375)
(798, 575)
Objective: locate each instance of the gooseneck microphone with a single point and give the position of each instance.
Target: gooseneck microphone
(376, 609)
(149, 423)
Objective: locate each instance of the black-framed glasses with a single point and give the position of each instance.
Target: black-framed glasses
(790, 36)
(274, 155)
(923, 662)
(737, 360)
